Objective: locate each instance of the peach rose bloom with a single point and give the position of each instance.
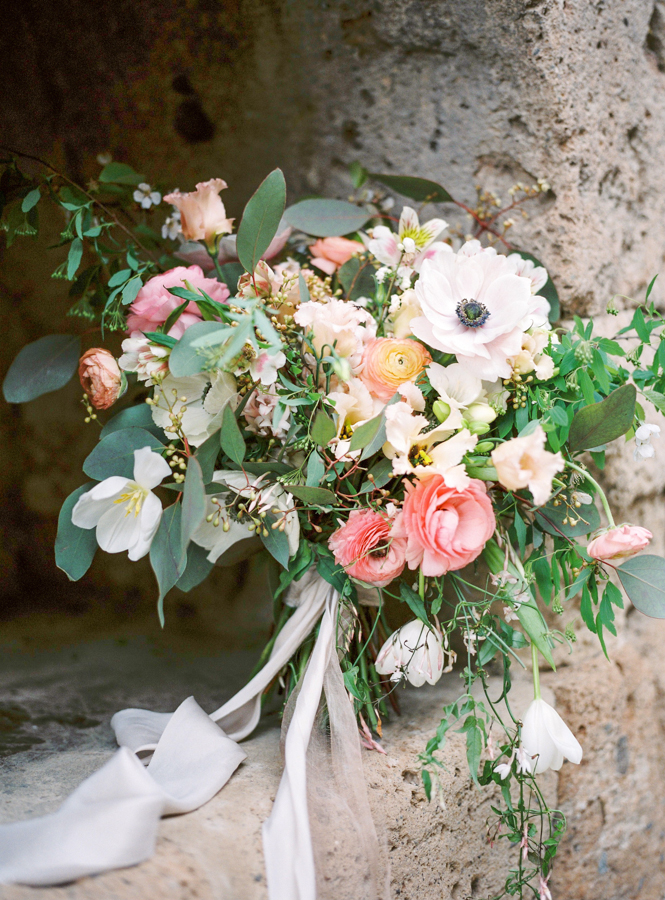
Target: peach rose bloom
(619, 543)
(154, 304)
(389, 363)
(367, 549)
(328, 254)
(445, 529)
(100, 377)
(523, 462)
(202, 213)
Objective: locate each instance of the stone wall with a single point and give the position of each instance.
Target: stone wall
(485, 91)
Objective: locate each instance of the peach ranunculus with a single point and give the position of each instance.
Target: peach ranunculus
(328, 254)
(445, 528)
(389, 363)
(367, 549)
(523, 462)
(619, 543)
(154, 304)
(202, 213)
(100, 377)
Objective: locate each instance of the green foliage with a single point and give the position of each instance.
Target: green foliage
(357, 278)
(551, 519)
(168, 556)
(603, 422)
(326, 218)
(43, 366)
(323, 430)
(415, 603)
(114, 454)
(643, 580)
(197, 568)
(139, 416)
(230, 436)
(261, 219)
(120, 173)
(193, 500)
(419, 189)
(75, 547)
(275, 541)
(312, 496)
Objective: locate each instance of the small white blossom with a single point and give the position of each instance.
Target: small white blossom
(172, 226)
(643, 449)
(503, 769)
(547, 739)
(414, 652)
(146, 197)
(124, 511)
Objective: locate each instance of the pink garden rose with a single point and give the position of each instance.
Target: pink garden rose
(202, 213)
(154, 304)
(328, 254)
(619, 543)
(367, 549)
(100, 377)
(445, 529)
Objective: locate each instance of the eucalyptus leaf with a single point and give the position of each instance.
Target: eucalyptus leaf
(43, 366)
(207, 455)
(364, 434)
(114, 454)
(197, 568)
(131, 290)
(312, 496)
(231, 439)
(188, 355)
(315, 469)
(603, 422)
(261, 219)
(323, 430)
(275, 541)
(168, 557)
(74, 547)
(74, 258)
(357, 278)
(30, 200)
(420, 189)
(643, 580)
(193, 500)
(326, 218)
(381, 472)
(139, 416)
(119, 173)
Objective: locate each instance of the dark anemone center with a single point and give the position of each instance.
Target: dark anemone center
(472, 313)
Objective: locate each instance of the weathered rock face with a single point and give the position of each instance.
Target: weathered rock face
(476, 93)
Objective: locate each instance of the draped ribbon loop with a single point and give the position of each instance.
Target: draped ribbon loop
(111, 819)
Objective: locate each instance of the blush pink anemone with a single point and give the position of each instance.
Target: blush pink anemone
(154, 304)
(367, 548)
(445, 529)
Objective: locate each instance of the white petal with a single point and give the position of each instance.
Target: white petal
(149, 519)
(92, 505)
(116, 530)
(150, 469)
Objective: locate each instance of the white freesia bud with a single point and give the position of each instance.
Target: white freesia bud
(413, 651)
(480, 413)
(547, 738)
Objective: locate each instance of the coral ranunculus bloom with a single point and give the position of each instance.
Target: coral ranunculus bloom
(328, 254)
(366, 548)
(446, 529)
(100, 377)
(388, 363)
(619, 543)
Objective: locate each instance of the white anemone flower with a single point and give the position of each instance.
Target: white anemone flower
(146, 197)
(124, 511)
(414, 652)
(537, 275)
(475, 307)
(411, 245)
(415, 451)
(547, 739)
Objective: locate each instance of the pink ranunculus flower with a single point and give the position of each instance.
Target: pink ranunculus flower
(328, 254)
(202, 213)
(367, 549)
(619, 543)
(100, 377)
(154, 304)
(445, 528)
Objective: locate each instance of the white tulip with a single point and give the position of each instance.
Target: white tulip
(547, 738)
(124, 511)
(414, 651)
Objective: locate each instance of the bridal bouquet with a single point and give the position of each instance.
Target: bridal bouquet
(379, 400)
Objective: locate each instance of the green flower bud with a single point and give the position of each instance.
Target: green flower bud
(441, 410)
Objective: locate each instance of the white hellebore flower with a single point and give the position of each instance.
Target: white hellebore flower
(413, 651)
(643, 449)
(146, 197)
(411, 245)
(124, 511)
(547, 738)
(475, 306)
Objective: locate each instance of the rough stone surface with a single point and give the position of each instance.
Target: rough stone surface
(480, 92)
